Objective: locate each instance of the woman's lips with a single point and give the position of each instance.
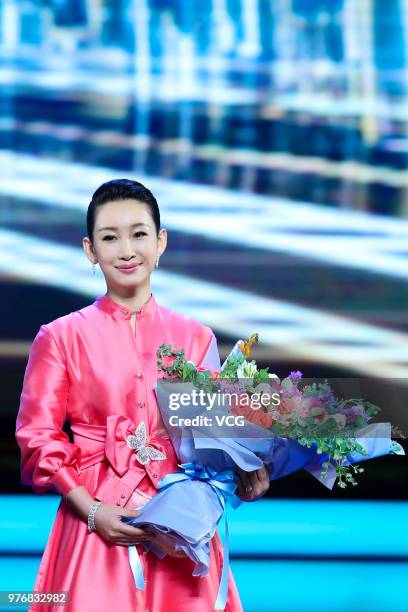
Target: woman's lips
(129, 270)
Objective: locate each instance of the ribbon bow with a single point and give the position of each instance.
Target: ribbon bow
(223, 482)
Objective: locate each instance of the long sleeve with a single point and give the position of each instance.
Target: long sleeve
(48, 459)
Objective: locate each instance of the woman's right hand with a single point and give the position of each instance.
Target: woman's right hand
(109, 525)
(111, 528)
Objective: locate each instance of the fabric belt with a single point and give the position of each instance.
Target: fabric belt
(130, 452)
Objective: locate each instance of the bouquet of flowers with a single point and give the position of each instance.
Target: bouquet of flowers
(266, 421)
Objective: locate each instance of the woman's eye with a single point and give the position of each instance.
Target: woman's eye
(109, 238)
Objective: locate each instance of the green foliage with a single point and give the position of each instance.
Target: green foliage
(337, 450)
(330, 438)
(232, 365)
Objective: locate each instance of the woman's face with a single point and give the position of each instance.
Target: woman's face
(125, 234)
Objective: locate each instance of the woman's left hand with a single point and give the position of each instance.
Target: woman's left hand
(252, 485)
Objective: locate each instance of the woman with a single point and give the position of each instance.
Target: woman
(96, 368)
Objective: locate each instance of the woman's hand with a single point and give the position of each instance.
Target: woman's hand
(109, 525)
(252, 485)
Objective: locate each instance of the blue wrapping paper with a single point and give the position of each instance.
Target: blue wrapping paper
(173, 510)
(205, 456)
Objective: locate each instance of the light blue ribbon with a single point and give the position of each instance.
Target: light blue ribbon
(222, 594)
(136, 567)
(223, 482)
(224, 485)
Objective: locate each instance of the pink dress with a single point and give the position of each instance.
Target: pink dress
(90, 368)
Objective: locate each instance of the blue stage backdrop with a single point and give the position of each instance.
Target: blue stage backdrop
(273, 134)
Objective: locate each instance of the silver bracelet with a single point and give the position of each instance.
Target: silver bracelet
(91, 516)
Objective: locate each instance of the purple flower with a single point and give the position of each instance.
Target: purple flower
(326, 395)
(353, 412)
(295, 377)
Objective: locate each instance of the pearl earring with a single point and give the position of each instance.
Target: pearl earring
(93, 268)
(157, 261)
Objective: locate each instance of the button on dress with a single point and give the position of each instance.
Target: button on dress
(93, 369)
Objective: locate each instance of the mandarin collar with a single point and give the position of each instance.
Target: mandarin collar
(106, 304)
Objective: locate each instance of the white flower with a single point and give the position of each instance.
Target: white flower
(287, 384)
(247, 369)
(340, 419)
(264, 388)
(265, 392)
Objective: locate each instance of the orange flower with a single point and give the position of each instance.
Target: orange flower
(246, 345)
(257, 417)
(260, 418)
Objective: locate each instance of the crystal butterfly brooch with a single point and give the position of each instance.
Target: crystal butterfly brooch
(144, 452)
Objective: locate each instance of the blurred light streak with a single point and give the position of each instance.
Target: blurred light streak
(262, 222)
(291, 329)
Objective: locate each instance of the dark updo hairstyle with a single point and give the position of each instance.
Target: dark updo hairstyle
(121, 189)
